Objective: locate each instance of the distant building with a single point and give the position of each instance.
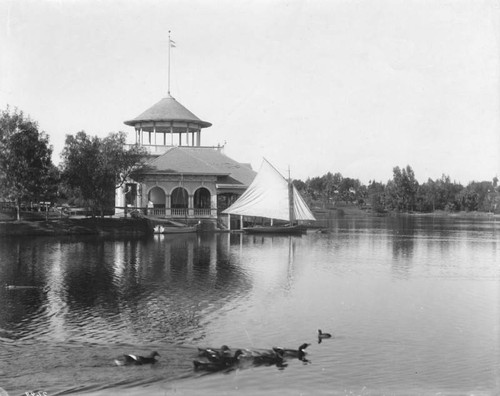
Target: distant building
(184, 180)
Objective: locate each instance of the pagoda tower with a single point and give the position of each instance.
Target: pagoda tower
(165, 124)
(184, 180)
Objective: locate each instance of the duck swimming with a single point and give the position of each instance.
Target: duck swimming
(322, 335)
(273, 358)
(135, 360)
(209, 352)
(218, 362)
(298, 353)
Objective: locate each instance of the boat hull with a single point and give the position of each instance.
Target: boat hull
(282, 230)
(175, 230)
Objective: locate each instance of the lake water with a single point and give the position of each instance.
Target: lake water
(413, 304)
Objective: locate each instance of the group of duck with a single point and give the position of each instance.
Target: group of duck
(225, 359)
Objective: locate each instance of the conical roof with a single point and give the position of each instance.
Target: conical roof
(167, 112)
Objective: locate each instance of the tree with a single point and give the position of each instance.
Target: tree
(485, 192)
(468, 199)
(26, 170)
(350, 190)
(316, 187)
(376, 196)
(93, 168)
(402, 189)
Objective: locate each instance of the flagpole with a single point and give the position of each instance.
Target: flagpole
(169, 45)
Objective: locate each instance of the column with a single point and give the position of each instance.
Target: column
(213, 205)
(190, 205)
(168, 209)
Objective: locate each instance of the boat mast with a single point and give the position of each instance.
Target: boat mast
(290, 198)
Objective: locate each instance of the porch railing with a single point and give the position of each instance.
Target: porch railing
(202, 212)
(173, 212)
(159, 212)
(179, 212)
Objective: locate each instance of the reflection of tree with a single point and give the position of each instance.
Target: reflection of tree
(128, 290)
(20, 266)
(184, 277)
(89, 275)
(403, 242)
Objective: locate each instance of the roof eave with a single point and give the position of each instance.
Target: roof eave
(202, 124)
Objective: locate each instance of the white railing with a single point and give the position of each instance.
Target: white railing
(202, 212)
(182, 212)
(173, 212)
(160, 212)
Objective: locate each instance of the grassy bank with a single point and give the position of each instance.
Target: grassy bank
(85, 226)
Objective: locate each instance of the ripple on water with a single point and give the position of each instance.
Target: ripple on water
(411, 309)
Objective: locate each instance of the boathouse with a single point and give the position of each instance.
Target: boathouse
(184, 180)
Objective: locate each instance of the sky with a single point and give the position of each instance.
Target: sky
(314, 86)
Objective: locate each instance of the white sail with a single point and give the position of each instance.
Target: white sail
(267, 196)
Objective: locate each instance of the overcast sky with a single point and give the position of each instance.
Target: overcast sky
(355, 87)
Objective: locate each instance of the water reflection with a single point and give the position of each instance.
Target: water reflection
(92, 289)
(406, 294)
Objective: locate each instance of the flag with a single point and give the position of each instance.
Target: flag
(172, 43)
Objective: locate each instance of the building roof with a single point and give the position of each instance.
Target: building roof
(202, 161)
(167, 112)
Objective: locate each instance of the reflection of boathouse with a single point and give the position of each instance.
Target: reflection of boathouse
(184, 180)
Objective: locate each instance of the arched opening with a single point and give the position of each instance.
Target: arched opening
(157, 197)
(202, 199)
(130, 194)
(202, 202)
(179, 202)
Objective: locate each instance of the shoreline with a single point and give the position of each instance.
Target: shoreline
(77, 226)
(143, 226)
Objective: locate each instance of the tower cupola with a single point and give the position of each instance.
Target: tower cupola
(168, 123)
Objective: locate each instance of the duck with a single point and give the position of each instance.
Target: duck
(298, 353)
(218, 362)
(208, 352)
(268, 359)
(136, 360)
(322, 335)
(229, 360)
(215, 356)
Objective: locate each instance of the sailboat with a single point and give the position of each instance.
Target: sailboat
(272, 196)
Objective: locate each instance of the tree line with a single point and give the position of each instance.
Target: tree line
(90, 171)
(402, 193)
(92, 168)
